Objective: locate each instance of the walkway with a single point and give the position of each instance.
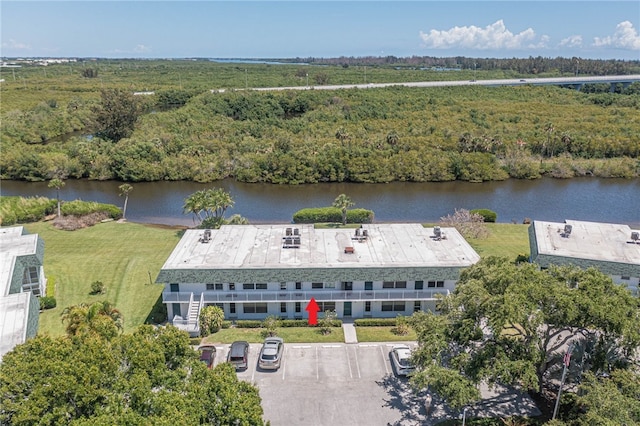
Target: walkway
(349, 330)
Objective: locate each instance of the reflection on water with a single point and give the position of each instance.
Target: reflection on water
(592, 199)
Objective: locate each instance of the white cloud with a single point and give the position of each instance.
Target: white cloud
(572, 41)
(494, 36)
(15, 45)
(625, 37)
(141, 48)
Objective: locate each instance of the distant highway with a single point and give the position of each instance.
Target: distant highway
(553, 81)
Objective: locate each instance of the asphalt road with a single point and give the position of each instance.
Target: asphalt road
(353, 384)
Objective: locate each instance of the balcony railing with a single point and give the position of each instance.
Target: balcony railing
(300, 296)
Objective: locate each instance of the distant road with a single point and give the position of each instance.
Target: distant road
(554, 81)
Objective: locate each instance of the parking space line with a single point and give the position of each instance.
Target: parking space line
(330, 346)
(255, 367)
(384, 360)
(301, 347)
(317, 365)
(346, 349)
(284, 364)
(368, 346)
(357, 365)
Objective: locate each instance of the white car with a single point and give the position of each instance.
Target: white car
(401, 357)
(271, 353)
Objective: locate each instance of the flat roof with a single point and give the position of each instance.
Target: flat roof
(587, 240)
(265, 247)
(14, 310)
(13, 244)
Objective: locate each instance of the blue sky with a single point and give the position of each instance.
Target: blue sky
(284, 29)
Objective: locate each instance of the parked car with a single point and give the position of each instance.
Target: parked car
(239, 355)
(207, 354)
(401, 358)
(271, 353)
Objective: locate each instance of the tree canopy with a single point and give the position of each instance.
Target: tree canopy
(511, 324)
(116, 115)
(149, 377)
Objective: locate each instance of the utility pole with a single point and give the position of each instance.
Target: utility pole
(566, 361)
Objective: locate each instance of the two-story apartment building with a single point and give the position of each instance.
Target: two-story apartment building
(611, 248)
(253, 271)
(22, 280)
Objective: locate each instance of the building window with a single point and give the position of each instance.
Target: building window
(175, 307)
(316, 285)
(255, 308)
(419, 285)
(298, 286)
(432, 284)
(439, 284)
(624, 277)
(298, 308)
(394, 284)
(393, 307)
(368, 285)
(327, 306)
(416, 306)
(30, 275)
(367, 306)
(330, 285)
(232, 287)
(261, 286)
(283, 286)
(247, 286)
(283, 307)
(174, 288)
(218, 286)
(232, 308)
(210, 286)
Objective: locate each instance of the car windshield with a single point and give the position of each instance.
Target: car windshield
(268, 357)
(404, 357)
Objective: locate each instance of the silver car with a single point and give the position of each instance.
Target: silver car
(401, 357)
(271, 353)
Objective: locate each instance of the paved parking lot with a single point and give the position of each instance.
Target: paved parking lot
(345, 384)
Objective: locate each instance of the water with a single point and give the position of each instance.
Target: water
(590, 199)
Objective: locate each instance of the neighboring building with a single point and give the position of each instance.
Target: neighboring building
(612, 249)
(21, 281)
(253, 271)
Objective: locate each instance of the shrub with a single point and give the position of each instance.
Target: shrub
(226, 324)
(97, 287)
(327, 322)
(24, 209)
(47, 302)
(270, 324)
(374, 322)
(332, 214)
(487, 215)
(248, 324)
(211, 319)
(294, 323)
(81, 208)
(402, 326)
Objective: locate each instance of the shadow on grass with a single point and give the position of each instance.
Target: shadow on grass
(158, 314)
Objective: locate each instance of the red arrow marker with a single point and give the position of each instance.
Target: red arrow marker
(313, 309)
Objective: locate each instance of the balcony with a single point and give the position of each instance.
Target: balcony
(301, 296)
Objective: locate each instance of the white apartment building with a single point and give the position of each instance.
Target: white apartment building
(253, 271)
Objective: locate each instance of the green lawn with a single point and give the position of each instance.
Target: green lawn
(382, 334)
(126, 257)
(506, 240)
(289, 334)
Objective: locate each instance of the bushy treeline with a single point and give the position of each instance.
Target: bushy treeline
(332, 215)
(374, 135)
(33, 209)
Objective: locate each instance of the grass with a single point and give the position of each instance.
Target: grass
(506, 240)
(382, 334)
(289, 334)
(126, 257)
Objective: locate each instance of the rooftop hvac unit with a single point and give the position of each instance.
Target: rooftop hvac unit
(567, 229)
(437, 232)
(206, 237)
(635, 236)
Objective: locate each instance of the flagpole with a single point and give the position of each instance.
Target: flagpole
(566, 361)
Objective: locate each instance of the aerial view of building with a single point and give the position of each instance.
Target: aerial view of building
(253, 271)
(611, 248)
(22, 280)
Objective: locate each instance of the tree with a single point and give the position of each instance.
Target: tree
(116, 115)
(470, 225)
(211, 319)
(58, 184)
(208, 206)
(152, 376)
(270, 325)
(100, 318)
(343, 203)
(125, 189)
(511, 324)
(609, 399)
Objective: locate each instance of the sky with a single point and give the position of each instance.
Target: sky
(301, 28)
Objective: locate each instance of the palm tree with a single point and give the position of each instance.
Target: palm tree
(125, 189)
(99, 318)
(57, 184)
(212, 202)
(343, 203)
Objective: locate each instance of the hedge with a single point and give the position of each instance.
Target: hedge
(283, 323)
(81, 208)
(332, 214)
(374, 322)
(488, 215)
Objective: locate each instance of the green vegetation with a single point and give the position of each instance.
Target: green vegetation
(487, 215)
(289, 334)
(22, 210)
(332, 215)
(383, 334)
(504, 240)
(469, 133)
(126, 257)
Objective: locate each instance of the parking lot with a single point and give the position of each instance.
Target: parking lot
(329, 384)
(355, 384)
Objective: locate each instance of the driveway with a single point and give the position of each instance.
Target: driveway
(353, 384)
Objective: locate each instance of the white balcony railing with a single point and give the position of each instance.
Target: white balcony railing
(300, 296)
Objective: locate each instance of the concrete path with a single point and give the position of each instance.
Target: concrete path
(350, 335)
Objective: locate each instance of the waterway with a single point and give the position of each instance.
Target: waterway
(590, 199)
